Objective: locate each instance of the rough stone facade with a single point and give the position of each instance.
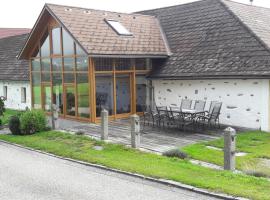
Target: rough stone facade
(14, 94)
(245, 102)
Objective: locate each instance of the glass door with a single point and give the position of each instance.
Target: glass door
(123, 93)
(47, 98)
(70, 105)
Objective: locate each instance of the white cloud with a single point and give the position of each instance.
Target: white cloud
(23, 13)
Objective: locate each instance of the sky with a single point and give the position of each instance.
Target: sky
(23, 13)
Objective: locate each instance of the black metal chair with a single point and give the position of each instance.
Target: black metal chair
(212, 117)
(186, 104)
(149, 115)
(199, 105)
(164, 116)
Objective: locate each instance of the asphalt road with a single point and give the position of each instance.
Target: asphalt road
(27, 175)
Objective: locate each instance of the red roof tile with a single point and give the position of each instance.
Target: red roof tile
(7, 32)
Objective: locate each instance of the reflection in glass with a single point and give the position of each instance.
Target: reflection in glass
(140, 93)
(69, 77)
(104, 93)
(82, 63)
(68, 44)
(46, 77)
(56, 33)
(58, 91)
(70, 101)
(122, 94)
(35, 65)
(83, 95)
(57, 64)
(45, 45)
(79, 50)
(68, 64)
(36, 90)
(123, 64)
(45, 64)
(47, 98)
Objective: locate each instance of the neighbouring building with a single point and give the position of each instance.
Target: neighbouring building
(14, 73)
(84, 60)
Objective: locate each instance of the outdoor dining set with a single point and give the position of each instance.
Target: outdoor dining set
(184, 116)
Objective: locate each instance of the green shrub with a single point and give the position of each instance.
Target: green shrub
(14, 125)
(33, 121)
(2, 106)
(175, 153)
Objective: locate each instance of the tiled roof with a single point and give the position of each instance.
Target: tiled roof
(98, 38)
(7, 32)
(10, 67)
(215, 38)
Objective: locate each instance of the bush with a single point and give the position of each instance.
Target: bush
(14, 125)
(175, 153)
(33, 121)
(2, 106)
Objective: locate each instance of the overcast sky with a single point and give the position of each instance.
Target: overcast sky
(23, 13)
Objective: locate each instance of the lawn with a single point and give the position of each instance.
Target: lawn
(255, 143)
(8, 113)
(124, 158)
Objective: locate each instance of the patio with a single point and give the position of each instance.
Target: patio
(156, 140)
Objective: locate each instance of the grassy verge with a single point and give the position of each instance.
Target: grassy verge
(123, 158)
(8, 113)
(255, 143)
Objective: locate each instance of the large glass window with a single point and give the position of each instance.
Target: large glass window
(70, 100)
(69, 78)
(47, 97)
(36, 90)
(36, 64)
(58, 91)
(46, 64)
(82, 63)
(68, 44)
(45, 45)
(69, 64)
(56, 41)
(123, 103)
(103, 64)
(45, 77)
(141, 92)
(123, 64)
(79, 50)
(104, 93)
(57, 64)
(83, 95)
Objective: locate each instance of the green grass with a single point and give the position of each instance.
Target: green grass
(123, 158)
(255, 143)
(8, 113)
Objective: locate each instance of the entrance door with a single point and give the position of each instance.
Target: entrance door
(47, 98)
(123, 93)
(69, 105)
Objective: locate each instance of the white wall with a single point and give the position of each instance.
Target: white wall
(14, 94)
(245, 102)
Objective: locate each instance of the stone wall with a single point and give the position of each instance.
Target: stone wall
(245, 102)
(14, 98)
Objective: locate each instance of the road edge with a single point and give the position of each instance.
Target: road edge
(161, 181)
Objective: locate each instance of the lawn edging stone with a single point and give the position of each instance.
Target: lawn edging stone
(161, 181)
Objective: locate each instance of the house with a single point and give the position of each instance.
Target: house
(14, 73)
(84, 60)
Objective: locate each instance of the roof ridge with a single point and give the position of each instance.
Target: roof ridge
(78, 7)
(244, 25)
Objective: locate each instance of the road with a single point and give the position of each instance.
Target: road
(28, 175)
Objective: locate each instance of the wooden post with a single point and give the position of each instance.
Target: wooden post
(104, 124)
(229, 148)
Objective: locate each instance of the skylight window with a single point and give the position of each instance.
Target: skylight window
(118, 27)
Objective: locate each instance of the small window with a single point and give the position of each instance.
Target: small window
(118, 27)
(23, 95)
(5, 91)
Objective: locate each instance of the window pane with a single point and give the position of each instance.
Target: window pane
(69, 77)
(58, 91)
(141, 64)
(45, 45)
(68, 64)
(36, 65)
(68, 44)
(103, 64)
(45, 77)
(140, 93)
(83, 95)
(46, 64)
(56, 40)
(82, 63)
(47, 98)
(70, 101)
(79, 50)
(123, 64)
(36, 90)
(104, 93)
(122, 94)
(57, 64)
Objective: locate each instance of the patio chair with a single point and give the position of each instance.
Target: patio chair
(186, 104)
(149, 115)
(199, 105)
(212, 117)
(164, 116)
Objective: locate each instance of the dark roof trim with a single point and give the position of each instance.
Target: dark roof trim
(126, 56)
(209, 77)
(244, 25)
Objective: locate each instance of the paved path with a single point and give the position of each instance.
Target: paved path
(27, 175)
